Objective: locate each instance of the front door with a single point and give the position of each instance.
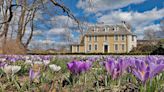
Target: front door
(105, 48)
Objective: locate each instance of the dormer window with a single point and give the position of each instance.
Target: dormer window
(105, 29)
(113, 28)
(117, 28)
(108, 28)
(97, 29)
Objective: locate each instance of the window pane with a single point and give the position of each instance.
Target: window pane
(123, 37)
(116, 47)
(90, 47)
(116, 37)
(77, 48)
(132, 38)
(96, 47)
(123, 47)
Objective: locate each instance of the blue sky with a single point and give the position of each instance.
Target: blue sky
(140, 14)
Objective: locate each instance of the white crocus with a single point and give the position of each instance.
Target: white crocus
(37, 63)
(28, 62)
(54, 67)
(15, 69)
(7, 69)
(46, 62)
(11, 69)
(2, 59)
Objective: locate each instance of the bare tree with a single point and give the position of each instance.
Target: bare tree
(149, 34)
(28, 10)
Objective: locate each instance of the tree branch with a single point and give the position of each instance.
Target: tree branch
(66, 10)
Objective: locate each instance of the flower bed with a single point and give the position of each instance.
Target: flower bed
(78, 73)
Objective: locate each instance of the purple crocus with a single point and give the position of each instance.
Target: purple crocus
(2, 64)
(78, 67)
(144, 71)
(34, 75)
(116, 68)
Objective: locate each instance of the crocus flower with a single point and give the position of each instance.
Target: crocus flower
(34, 75)
(28, 62)
(2, 59)
(77, 67)
(54, 67)
(11, 69)
(116, 68)
(46, 62)
(144, 71)
(2, 64)
(39, 63)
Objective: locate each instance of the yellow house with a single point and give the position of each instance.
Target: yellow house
(0, 50)
(106, 39)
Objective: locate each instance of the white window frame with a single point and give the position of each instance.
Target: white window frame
(89, 47)
(108, 28)
(105, 29)
(116, 36)
(132, 38)
(95, 46)
(89, 38)
(123, 49)
(105, 43)
(97, 29)
(78, 48)
(115, 48)
(117, 28)
(123, 37)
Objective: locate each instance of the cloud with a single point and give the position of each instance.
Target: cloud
(63, 21)
(94, 6)
(57, 31)
(60, 32)
(155, 27)
(135, 18)
(139, 21)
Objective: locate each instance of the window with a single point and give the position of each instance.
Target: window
(108, 28)
(132, 38)
(116, 37)
(116, 47)
(117, 29)
(94, 29)
(123, 37)
(78, 48)
(113, 28)
(123, 47)
(97, 29)
(105, 37)
(95, 46)
(105, 29)
(95, 38)
(90, 38)
(90, 47)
